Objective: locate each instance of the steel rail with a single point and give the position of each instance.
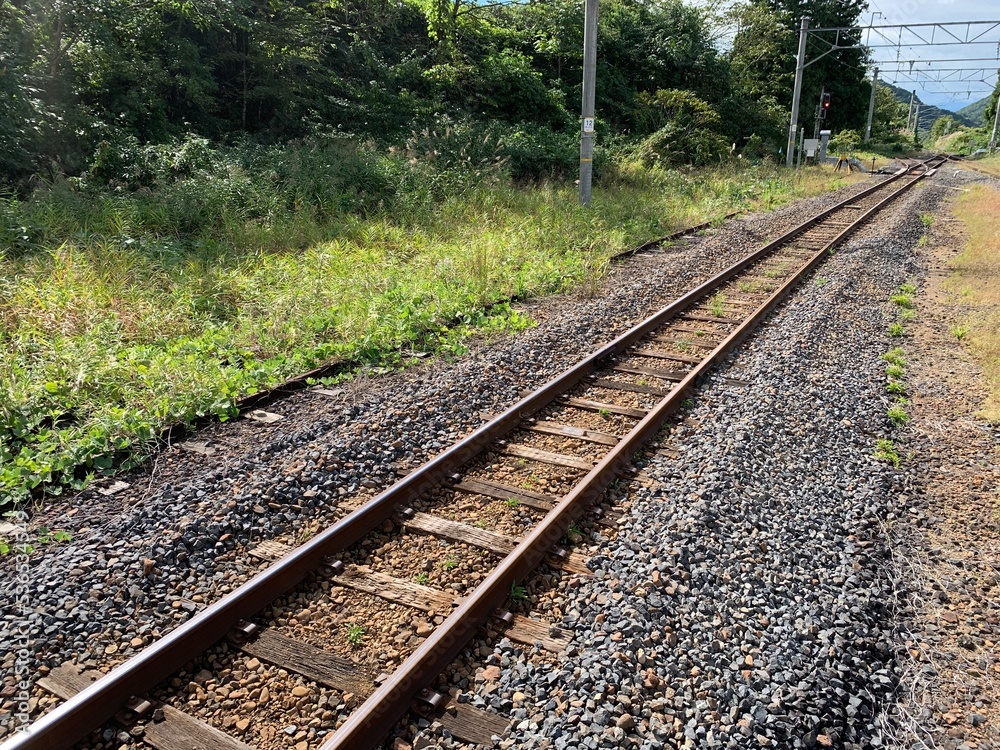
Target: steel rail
(687, 231)
(72, 720)
(366, 726)
(972, 167)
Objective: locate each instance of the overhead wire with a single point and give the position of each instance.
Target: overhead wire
(920, 68)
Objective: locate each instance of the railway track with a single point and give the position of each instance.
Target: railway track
(548, 458)
(962, 163)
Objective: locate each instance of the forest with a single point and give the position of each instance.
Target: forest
(201, 199)
(88, 88)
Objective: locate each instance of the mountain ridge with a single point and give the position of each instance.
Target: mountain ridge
(929, 112)
(975, 112)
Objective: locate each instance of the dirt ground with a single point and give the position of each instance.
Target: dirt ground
(949, 541)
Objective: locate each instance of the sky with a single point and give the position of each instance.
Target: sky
(950, 95)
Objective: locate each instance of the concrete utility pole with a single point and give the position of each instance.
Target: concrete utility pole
(996, 121)
(800, 67)
(871, 106)
(909, 112)
(589, 90)
(916, 118)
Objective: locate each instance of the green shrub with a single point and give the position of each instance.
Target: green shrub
(885, 450)
(687, 130)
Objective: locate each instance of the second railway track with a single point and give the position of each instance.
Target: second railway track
(551, 456)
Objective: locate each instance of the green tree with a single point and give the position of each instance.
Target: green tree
(766, 58)
(758, 57)
(645, 47)
(19, 117)
(942, 126)
(889, 117)
(991, 108)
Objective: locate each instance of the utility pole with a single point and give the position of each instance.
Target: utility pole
(871, 106)
(996, 121)
(589, 90)
(916, 119)
(800, 67)
(909, 112)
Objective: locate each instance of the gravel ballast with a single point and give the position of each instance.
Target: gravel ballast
(746, 600)
(734, 531)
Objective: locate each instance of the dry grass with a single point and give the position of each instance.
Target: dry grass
(976, 285)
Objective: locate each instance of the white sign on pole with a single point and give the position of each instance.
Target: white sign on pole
(588, 124)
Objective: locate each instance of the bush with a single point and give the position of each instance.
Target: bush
(454, 156)
(688, 129)
(504, 86)
(188, 185)
(537, 153)
(845, 142)
(675, 144)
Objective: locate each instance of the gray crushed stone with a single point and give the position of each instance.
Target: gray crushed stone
(746, 600)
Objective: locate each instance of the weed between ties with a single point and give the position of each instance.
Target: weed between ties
(355, 635)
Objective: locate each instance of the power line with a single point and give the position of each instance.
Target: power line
(926, 73)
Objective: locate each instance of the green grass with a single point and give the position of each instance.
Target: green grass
(898, 414)
(895, 356)
(895, 387)
(355, 634)
(885, 450)
(895, 372)
(124, 312)
(42, 536)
